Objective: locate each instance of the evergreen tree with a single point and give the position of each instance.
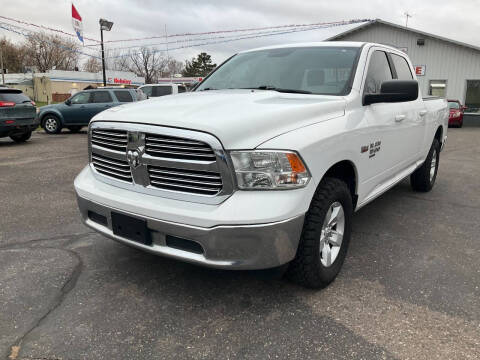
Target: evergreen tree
(200, 66)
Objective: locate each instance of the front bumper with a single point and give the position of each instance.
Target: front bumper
(249, 230)
(258, 246)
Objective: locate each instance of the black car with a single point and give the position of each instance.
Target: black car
(18, 115)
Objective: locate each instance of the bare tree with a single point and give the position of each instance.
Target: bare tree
(92, 65)
(147, 63)
(12, 56)
(47, 51)
(117, 60)
(172, 67)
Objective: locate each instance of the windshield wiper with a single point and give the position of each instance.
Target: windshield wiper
(293, 91)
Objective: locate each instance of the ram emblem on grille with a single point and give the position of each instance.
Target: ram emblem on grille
(133, 157)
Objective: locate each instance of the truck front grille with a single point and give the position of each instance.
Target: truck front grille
(117, 169)
(161, 161)
(190, 181)
(111, 139)
(177, 148)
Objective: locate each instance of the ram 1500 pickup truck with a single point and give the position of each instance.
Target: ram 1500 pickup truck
(264, 164)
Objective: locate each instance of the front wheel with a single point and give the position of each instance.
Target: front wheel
(19, 138)
(325, 236)
(52, 124)
(424, 177)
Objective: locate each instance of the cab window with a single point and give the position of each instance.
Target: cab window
(162, 90)
(182, 89)
(378, 72)
(147, 90)
(401, 67)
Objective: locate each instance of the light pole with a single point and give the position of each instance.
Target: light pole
(107, 26)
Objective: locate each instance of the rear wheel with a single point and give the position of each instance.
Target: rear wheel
(325, 236)
(19, 138)
(51, 124)
(424, 177)
(75, 129)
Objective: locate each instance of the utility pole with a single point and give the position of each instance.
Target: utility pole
(1, 66)
(407, 15)
(168, 56)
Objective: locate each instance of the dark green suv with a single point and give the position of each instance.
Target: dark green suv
(17, 115)
(77, 111)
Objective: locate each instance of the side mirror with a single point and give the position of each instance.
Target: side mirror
(393, 91)
(68, 102)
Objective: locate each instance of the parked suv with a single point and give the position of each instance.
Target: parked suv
(17, 115)
(77, 111)
(155, 90)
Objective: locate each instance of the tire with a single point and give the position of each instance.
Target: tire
(51, 124)
(310, 267)
(74, 129)
(424, 177)
(19, 138)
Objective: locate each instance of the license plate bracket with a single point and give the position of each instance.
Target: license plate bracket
(131, 228)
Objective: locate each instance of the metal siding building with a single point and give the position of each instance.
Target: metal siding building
(444, 59)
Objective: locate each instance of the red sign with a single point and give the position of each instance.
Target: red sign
(122, 81)
(420, 70)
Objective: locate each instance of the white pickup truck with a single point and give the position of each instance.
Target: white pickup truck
(265, 162)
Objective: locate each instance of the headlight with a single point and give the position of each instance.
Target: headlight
(267, 170)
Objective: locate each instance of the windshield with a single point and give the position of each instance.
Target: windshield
(453, 105)
(312, 70)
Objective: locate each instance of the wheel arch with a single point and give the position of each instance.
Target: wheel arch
(50, 112)
(346, 171)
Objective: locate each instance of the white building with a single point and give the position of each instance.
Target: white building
(444, 67)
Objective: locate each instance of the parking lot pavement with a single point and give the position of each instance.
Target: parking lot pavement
(410, 287)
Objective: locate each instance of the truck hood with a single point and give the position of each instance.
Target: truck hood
(240, 119)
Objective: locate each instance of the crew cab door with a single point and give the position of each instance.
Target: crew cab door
(385, 141)
(412, 121)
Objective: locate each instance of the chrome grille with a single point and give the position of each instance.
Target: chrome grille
(177, 148)
(190, 181)
(161, 161)
(118, 169)
(110, 139)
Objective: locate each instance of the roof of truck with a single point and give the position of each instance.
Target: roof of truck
(311, 44)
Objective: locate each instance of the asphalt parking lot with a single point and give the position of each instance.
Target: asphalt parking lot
(410, 287)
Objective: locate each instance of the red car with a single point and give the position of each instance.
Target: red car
(456, 113)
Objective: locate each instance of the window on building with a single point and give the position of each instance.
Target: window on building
(101, 97)
(80, 98)
(438, 88)
(378, 72)
(402, 68)
(123, 95)
(472, 98)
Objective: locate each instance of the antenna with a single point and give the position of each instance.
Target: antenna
(407, 15)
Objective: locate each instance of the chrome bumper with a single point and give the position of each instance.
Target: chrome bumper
(258, 246)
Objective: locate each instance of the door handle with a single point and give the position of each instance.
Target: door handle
(399, 118)
(422, 113)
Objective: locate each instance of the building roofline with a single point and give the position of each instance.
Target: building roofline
(423, 33)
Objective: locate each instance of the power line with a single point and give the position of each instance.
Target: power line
(343, 22)
(244, 37)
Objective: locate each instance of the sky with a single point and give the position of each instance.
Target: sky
(456, 20)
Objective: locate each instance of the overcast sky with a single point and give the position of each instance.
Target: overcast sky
(458, 19)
